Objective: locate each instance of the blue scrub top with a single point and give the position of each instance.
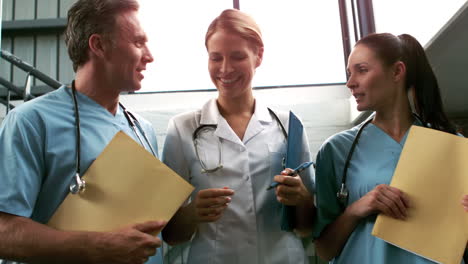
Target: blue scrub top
(38, 149)
(374, 161)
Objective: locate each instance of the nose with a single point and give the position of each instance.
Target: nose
(147, 56)
(351, 83)
(226, 66)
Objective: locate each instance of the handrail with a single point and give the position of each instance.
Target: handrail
(30, 69)
(13, 88)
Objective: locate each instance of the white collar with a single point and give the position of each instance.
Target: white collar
(210, 113)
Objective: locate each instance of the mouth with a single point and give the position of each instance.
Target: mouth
(358, 96)
(228, 81)
(140, 73)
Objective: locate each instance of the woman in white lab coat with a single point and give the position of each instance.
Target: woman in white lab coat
(230, 151)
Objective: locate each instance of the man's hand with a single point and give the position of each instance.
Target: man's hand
(131, 245)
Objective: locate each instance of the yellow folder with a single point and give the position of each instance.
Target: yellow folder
(433, 172)
(124, 185)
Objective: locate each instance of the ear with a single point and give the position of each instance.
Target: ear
(97, 45)
(399, 71)
(259, 57)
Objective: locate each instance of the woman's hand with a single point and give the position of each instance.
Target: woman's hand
(382, 199)
(209, 204)
(291, 190)
(464, 202)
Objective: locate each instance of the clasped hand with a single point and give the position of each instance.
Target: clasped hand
(382, 199)
(291, 190)
(209, 204)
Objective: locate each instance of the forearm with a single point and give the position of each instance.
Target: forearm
(27, 241)
(335, 235)
(305, 214)
(181, 227)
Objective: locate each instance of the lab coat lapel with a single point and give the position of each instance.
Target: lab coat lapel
(210, 115)
(261, 115)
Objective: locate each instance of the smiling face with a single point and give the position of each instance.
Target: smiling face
(232, 63)
(371, 83)
(128, 53)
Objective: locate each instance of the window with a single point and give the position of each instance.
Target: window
(176, 32)
(302, 42)
(421, 19)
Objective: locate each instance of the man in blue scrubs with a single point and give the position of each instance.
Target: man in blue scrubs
(107, 46)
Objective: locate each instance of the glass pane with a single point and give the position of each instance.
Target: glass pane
(419, 18)
(176, 31)
(302, 39)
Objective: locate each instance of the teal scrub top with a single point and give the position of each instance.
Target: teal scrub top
(38, 150)
(373, 162)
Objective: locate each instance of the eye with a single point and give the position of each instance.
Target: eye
(362, 70)
(238, 56)
(215, 58)
(139, 43)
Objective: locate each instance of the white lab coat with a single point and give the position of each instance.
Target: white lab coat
(249, 230)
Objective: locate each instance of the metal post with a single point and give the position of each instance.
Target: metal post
(27, 88)
(344, 32)
(8, 102)
(366, 17)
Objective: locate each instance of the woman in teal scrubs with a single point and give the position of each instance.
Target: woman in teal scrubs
(386, 73)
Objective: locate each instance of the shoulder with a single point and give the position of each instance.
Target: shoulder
(146, 124)
(185, 118)
(184, 123)
(340, 142)
(36, 109)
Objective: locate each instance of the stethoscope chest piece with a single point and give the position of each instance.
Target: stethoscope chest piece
(343, 194)
(78, 186)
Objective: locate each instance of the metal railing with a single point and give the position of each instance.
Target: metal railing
(25, 93)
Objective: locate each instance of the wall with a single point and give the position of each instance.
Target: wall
(43, 48)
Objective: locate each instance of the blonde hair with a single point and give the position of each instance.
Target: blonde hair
(239, 23)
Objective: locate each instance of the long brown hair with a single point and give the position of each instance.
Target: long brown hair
(419, 75)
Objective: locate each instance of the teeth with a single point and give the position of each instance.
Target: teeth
(227, 81)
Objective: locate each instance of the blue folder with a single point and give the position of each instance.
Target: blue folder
(293, 159)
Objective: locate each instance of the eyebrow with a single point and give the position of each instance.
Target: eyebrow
(143, 38)
(357, 65)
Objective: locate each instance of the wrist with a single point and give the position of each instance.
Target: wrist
(352, 212)
(191, 213)
(307, 200)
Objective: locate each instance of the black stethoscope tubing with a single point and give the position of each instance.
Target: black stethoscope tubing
(79, 184)
(343, 192)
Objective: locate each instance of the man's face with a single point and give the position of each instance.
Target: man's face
(128, 53)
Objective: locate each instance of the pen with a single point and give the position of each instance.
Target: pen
(297, 170)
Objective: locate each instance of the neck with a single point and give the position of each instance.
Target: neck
(395, 122)
(239, 106)
(91, 83)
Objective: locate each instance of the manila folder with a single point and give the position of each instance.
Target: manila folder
(124, 185)
(433, 172)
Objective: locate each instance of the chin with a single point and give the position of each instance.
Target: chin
(361, 108)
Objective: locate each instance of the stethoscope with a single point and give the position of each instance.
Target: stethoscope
(343, 193)
(207, 127)
(79, 185)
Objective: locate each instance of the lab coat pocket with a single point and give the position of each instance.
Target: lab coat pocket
(276, 154)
